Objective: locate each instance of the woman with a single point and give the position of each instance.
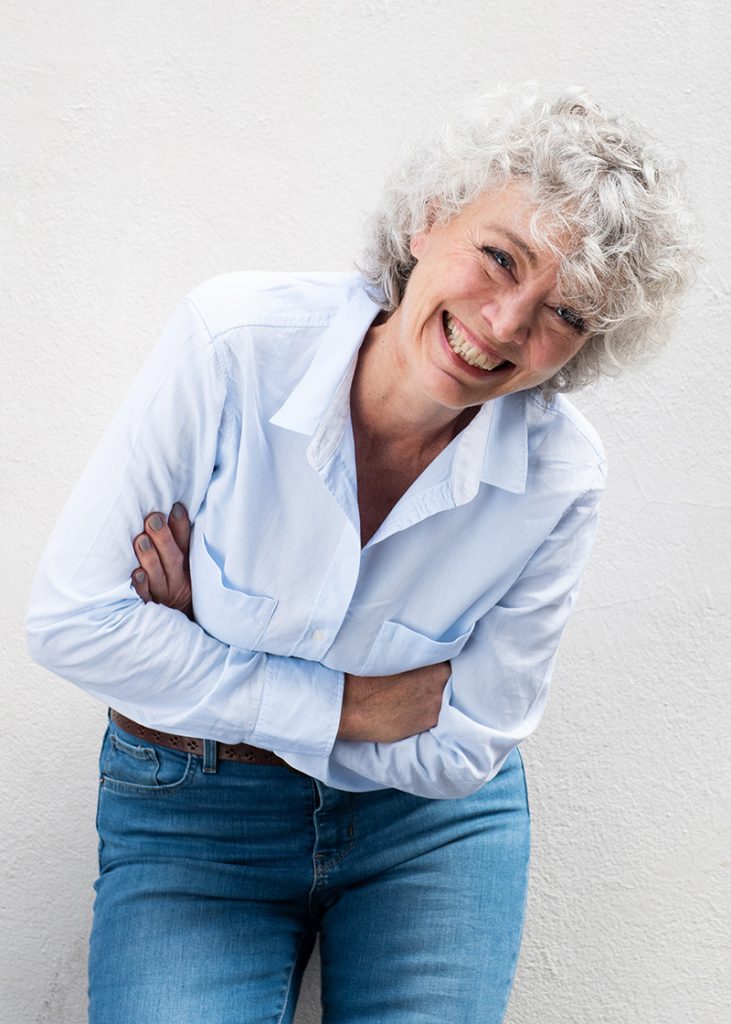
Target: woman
(392, 505)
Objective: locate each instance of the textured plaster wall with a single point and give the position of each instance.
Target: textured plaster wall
(147, 146)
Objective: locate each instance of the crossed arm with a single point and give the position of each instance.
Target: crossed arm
(439, 731)
(377, 709)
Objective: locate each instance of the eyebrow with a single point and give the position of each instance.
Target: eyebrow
(518, 242)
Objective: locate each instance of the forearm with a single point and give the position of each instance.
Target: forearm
(152, 663)
(158, 667)
(449, 761)
(392, 707)
(499, 685)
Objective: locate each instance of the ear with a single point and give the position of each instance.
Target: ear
(417, 243)
(418, 240)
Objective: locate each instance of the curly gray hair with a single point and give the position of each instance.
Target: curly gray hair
(599, 178)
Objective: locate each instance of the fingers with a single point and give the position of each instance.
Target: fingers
(149, 559)
(163, 575)
(171, 557)
(141, 584)
(180, 528)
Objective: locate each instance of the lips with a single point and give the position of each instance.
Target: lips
(464, 347)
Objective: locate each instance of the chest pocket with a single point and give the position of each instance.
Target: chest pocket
(231, 615)
(398, 647)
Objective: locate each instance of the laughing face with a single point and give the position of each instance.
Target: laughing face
(482, 315)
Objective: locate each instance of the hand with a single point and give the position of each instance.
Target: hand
(163, 575)
(383, 709)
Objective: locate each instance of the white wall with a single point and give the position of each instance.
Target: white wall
(147, 146)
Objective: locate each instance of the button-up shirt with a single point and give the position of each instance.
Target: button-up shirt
(242, 413)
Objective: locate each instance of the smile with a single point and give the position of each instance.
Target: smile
(468, 352)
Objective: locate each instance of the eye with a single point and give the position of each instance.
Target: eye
(498, 256)
(571, 318)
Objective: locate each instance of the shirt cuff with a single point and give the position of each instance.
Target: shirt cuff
(300, 707)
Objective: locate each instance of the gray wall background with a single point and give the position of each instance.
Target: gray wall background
(147, 146)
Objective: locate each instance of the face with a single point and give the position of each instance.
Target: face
(482, 315)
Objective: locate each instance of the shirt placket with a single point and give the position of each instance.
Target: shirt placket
(331, 454)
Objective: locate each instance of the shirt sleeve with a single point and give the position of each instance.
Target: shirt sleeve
(85, 621)
(496, 694)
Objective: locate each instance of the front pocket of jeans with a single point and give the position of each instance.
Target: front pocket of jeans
(144, 769)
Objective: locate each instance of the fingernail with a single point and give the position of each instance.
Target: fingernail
(156, 522)
(139, 576)
(177, 510)
(144, 542)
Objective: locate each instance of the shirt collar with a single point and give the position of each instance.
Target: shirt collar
(333, 366)
(506, 453)
(492, 449)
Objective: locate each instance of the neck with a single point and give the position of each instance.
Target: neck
(388, 409)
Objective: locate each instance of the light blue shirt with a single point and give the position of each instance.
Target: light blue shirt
(242, 413)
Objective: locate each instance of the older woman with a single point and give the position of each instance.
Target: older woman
(392, 506)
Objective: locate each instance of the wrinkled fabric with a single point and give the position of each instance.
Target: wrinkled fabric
(242, 413)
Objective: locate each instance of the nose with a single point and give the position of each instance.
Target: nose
(508, 317)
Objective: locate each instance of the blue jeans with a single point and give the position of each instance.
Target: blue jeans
(216, 878)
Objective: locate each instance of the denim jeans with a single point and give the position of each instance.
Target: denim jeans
(216, 878)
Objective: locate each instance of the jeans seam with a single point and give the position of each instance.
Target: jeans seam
(99, 788)
(315, 874)
(519, 943)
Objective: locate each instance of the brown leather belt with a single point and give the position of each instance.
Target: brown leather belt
(242, 752)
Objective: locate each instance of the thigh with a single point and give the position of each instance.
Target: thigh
(433, 936)
(201, 909)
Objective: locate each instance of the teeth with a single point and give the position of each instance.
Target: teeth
(471, 355)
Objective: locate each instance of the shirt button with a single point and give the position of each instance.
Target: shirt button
(318, 634)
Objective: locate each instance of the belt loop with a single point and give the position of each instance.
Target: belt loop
(209, 757)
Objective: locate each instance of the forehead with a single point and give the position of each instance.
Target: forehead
(513, 209)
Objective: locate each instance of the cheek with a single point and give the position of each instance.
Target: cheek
(456, 284)
(557, 352)
(474, 278)
(573, 350)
